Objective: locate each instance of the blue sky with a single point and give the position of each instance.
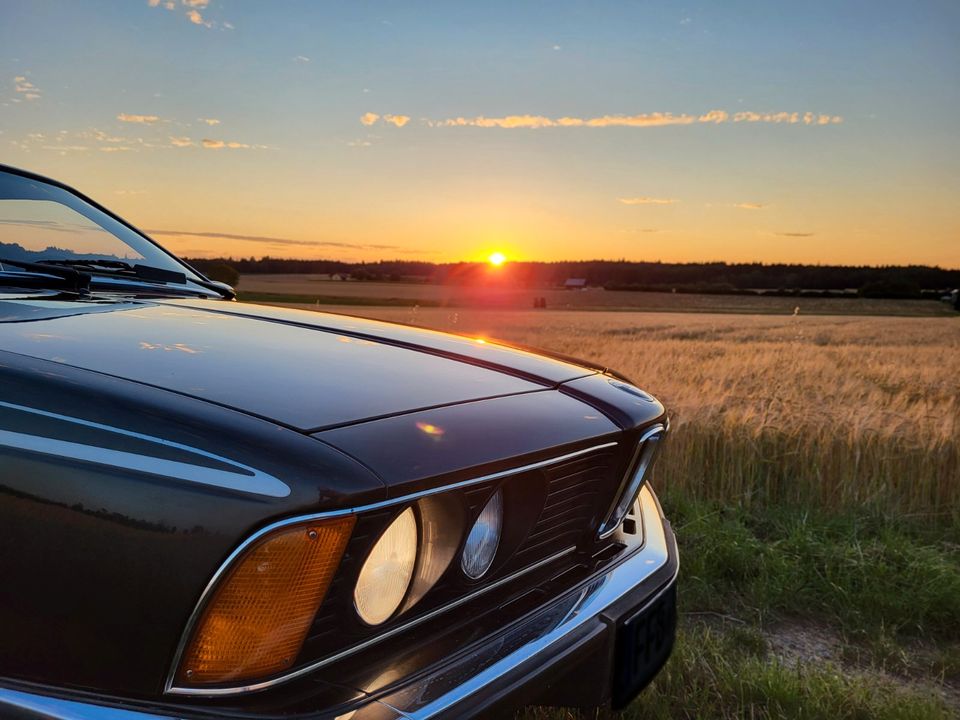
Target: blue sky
(813, 132)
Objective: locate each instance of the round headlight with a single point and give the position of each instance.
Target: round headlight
(385, 576)
(481, 545)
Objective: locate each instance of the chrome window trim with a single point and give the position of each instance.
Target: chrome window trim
(171, 688)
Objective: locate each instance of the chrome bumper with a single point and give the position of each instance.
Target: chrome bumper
(521, 664)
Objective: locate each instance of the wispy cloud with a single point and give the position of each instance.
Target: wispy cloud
(209, 121)
(274, 240)
(641, 120)
(302, 59)
(221, 144)
(647, 201)
(196, 18)
(398, 120)
(143, 119)
(749, 206)
(795, 234)
(791, 118)
(74, 141)
(27, 89)
(371, 118)
(191, 10)
(539, 121)
(64, 149)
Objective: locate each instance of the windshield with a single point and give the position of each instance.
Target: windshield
(40, 222)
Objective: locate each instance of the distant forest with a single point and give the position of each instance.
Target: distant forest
(911, 281)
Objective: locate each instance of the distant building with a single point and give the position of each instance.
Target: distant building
(575, 283)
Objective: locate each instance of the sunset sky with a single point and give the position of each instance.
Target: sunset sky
(824, 132)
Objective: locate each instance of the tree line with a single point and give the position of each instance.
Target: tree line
(904, 281)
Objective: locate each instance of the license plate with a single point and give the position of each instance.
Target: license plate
(644, 642)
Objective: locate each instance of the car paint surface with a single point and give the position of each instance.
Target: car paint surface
(300, 377)
(534, 365)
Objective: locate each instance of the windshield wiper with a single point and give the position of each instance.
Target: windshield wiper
(46, 276)
(119, 267)
(147, 273)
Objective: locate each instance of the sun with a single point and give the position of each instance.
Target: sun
(497, 259)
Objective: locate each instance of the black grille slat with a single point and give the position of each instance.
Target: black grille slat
(562, 505)
(558, 520)
(574, 491)
(573, 521)
(562, 495)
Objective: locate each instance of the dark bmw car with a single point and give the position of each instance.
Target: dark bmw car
(211, 509)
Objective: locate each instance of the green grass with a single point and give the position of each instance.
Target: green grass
(717, 674)
(864, 574)
(723, 677)
(884, 589)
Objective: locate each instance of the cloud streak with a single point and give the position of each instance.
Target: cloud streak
(647, 201)
(749, 206)
(371, 118)
(224, 144)
(795, 234)
(275, 240)
(26, 88)
(191, 9)
(141, 119)
(641, 120)
(397, 120)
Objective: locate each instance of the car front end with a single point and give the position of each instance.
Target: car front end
(211, 509)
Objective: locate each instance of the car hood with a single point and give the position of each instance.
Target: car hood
(301, 369)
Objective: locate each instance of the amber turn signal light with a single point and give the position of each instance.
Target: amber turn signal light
(257, 618)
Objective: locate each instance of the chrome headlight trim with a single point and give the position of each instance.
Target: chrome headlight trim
(647, 447)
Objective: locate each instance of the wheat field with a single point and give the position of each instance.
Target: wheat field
(823, 410)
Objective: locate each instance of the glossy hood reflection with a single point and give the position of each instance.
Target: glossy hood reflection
(300, 376)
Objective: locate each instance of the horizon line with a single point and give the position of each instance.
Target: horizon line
(572, 262)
